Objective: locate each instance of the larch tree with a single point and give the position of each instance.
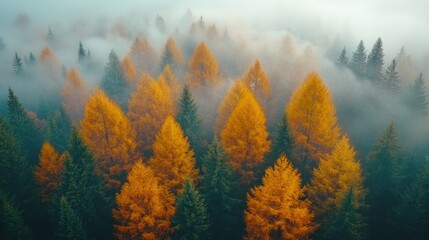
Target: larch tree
(173, 161)
(171, 55)
(12, 224)
(144, 207)
(337, 172)
(110, 136)
(358, 62)
(203, 69)
(190, 221)
(313, 123)
(49, 63)
(113, 81)
(48, 171)
(390, 80)
(144, 56)
(170, 78)
(130, 71)
(342, 60)
(149, 106)
(59, 130)
(276, 209)
(74, 95)
(374, 65)
(245, 137)
(257, 81)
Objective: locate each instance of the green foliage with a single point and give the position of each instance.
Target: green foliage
(282, 143)
(391, 78)
(12, 225)
(358, 62)
(374, 66)
(114, 82)
(342, 60)
(59, 130)
(190, 220)
(18, 69)
(81, 53)
(416, 97)
(69, 224)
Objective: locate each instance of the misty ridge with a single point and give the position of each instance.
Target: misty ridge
(57, 66)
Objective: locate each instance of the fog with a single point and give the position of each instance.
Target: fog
(291, 38)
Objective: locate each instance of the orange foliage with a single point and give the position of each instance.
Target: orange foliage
(203, 69)
(144, 207)
(172, 81)
(173, 161)
(257, 81)
(48, 172)
(144, 56)
(49, 62)
(275, 210)
(109, 135)
(74, 95)
(171, 55)
(129, 71)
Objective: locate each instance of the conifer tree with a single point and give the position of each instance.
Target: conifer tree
(203, 69)
(169, 77)
(416, 97)
(144, 56)
(12, 225)
(171, 55)
(69, 224)
(358, 62)
(374, 65)
(190, 221)
(130, 71)
(391, 79)
(81, 53)
(74, 95)
(342, 60)
(114, 82)
(282, 143)
(59, 130)
(257, 81)
(31, 59)
(18, 69)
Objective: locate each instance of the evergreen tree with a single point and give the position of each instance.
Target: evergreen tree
(24, 129)
(190, 221)
(282, 143)
(160, 23)
(416, 97)
(189, 121)
(358, 63)
(81, 53)
(59, 130)
(374, 66)
(50, 36)
(391, 78)
(18, 69)
(31, 59)
(342, 60)
(12, 225)
(69, 224)
(114, 82)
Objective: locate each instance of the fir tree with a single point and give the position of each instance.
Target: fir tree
(31, 59)
(12, 225)
(357, 64)
(374, 66)
(342, 60)
(190, 220)
(391, 78)
(282, 143)
(114, 82)
(59, 130)
(416, 97)
(81, 53)
(18, 69)
(69, 224)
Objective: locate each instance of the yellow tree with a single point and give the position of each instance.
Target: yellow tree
(203, 69)
(109, 135)
(257, 81)
(48, 171)
(337, 172)
(234, 94)
(173, 161)
(245, 137)
(49, 62)
(144, 207)
(171, 55)
(144, 56)
(130, 71)
(313, 122)
(170, 78)
(148, 107)
(74, 95)
(276, 209)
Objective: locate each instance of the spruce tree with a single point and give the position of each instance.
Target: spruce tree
(59, 130)
(416, 97)
(69, 224)
(81, 53)
(18, 69)
(374, 65)
(12, 225)
(114, 82)
(391, 78)
(282, 143)
(358, 62)
(31, 59)
(190, 221)
(342, 60)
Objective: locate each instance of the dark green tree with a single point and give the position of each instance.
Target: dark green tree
(342, 60)
(24, 129)
(12, 225)
(69, 224)
(282, 143)
(160, 24)
(382, 179)
(114, 82)
(358, 62)
(374, 65)
(416, 97)
(59, 130)
(81, 53)
(391, 79)
(31, 59)
(18, 69)
(190, 221)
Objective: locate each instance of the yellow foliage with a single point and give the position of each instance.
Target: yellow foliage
(110, 137)
(144, 207)
(129, 71)
(148, 107)
(173, 161)
(74, 95)
(257, 81)
(203, 69)
(48, 172)
(49, 62)
(244, 136)
(171, 55)
(276, 210)
(337, 172)
(144, 56)
(168, 75)
(312, 120)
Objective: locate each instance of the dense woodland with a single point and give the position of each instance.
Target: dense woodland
(199, 140)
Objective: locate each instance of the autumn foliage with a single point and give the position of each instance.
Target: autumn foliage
(74, 95)
(257, 81)
(130, 71)
(171, 55)
(174, 84)
(203, 69)
(144, 56)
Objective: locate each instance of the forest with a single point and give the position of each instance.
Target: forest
(195, 129)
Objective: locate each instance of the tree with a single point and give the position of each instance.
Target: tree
(416, 98)
(114, 82)
(203, 69)
(148, 107)
(144, 56)
(337, 172)
(48, 171)
(358, 63)
(130, 71)
(18, 69)
(391, 79)
(144, 207)
(69, 224)
(313, 123)
(190, 220)
(282, 142)
(12, 225)
(342, 60)
(275, 209)
(110, 136)
(49, 63)
(257, 81)
(24, 129)
(173, 83)
(160, 24)
(171, 55)
(173, 161)
(75, 95)
(374, 66)
(59, 130)
(81, 53)
(31, 59)
(189, 121)
(245, 137)
(382, 180)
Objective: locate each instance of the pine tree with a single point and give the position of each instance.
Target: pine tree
(171, 55)
(374, 66)
(70, 225)
(203, 69)
(276, 209)
(282, 143)
(12, 225)
(114, 82)
(189, 121)
(342, 60)
(18, 69)
(24, 129)
(391, 78)
(59, 130)
(81, 53)
(257, 81)
(190, 221)
(358, 62)
(416, 98)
